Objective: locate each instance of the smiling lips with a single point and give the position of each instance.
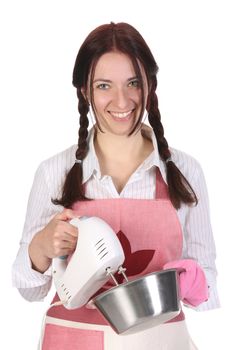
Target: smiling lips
(119, 115)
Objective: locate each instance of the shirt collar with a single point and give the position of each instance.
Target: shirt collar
(91, 163)
(154, 159)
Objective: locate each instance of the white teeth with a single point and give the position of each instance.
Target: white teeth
(120, 115)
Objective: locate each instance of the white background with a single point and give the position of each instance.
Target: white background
(192, 43)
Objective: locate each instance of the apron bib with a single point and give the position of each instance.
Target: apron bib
(151, 235)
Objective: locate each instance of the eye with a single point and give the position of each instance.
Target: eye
(134, 83)
(103, 86)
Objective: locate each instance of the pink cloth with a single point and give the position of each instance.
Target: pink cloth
(150, 234)
(68, 338)
(193, 285)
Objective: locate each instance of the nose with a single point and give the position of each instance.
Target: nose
(121, 99)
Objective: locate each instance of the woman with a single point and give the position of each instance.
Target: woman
(124, 172)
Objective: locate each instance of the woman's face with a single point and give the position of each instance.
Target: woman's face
(117, 93)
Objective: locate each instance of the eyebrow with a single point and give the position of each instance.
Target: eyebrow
(109, 81)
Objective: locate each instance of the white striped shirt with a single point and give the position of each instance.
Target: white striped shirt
(198, 241)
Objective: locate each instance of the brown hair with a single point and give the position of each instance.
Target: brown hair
(124, 38)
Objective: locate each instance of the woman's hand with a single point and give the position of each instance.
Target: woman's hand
(193, 285)
(57, 238)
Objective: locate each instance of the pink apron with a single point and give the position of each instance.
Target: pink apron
(151, 235)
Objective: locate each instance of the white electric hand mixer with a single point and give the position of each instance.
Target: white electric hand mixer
(98, 255)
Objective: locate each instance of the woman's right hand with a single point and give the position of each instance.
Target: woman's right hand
(57, 238)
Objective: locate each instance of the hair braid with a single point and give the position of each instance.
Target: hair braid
(83, 108)
(179, 188)
(155, 121)
(73, 189)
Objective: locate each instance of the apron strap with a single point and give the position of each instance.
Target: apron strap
(161, 186)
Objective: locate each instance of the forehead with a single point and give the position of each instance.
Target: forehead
(114, 66)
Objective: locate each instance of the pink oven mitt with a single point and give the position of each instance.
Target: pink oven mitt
(193, 285)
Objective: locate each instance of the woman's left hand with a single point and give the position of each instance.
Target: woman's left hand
(193, 285)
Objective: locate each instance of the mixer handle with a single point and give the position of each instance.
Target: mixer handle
(59, 266)
(60, 263)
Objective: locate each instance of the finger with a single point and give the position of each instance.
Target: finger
(66, 214)
(68, 238)
(64, 248)
(65, 252)
(68, 245)
(70, 229)
(65, 227)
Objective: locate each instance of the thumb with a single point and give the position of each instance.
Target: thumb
(66, 214)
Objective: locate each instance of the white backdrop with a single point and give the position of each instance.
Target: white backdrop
(192, 43)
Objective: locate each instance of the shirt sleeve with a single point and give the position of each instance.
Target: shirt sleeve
(31, 284)
(199, 240)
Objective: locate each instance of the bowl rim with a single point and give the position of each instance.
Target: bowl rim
(128, 283)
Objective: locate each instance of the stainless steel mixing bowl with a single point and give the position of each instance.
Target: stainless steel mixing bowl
(142, 303)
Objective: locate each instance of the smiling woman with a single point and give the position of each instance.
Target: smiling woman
(117, 92)
(123, 171)
(117, 100)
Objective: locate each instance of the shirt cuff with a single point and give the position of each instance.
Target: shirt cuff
(23, 275)
(213, 301)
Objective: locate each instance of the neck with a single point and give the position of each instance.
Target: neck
(117, 147)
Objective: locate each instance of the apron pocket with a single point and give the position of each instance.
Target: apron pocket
(58, 337)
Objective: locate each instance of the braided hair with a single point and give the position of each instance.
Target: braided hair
(179, 188)
(124, 38)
